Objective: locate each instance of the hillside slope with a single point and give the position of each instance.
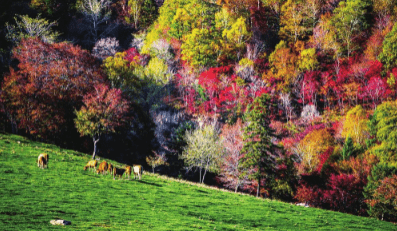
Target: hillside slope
(31, 197)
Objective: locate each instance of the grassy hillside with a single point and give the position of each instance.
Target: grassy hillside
(31, 197)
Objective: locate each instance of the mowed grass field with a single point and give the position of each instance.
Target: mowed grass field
(31, 197)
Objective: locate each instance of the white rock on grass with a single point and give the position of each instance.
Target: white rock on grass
(303, 204)
(60, 222)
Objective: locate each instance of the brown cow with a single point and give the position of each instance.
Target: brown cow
(91, 164)
(137, 171)
(110, 168)
(102, 168)
(128, 171)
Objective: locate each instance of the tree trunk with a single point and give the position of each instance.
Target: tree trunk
(205, 171)
(235, 189)
(95, 147)
(200, 176)
(259, 187)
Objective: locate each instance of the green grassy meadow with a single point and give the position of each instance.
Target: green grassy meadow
(31, 197)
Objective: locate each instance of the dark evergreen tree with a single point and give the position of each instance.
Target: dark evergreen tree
(259, 150)
(378, 173)
(348, 148)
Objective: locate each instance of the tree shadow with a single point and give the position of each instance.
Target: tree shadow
(149, 183)
(201, 191)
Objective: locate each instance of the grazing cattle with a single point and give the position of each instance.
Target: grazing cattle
(128, 171)
(117, 171)
(42, 160)
(110, 168)
(91, 164)
(102, 168)
(137, 171)
(45, 156)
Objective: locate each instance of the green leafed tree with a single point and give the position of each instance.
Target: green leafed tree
(195, 14)
(204, 150)
(53, 7)
(26, 27)
(97, 13)
(348, 149)
(200, 48)
(235, 38)
(121, 73)
(382, 126)
(388, 56)
(141, 13)
(350, 19)
(103, 111)
(292, 21)
(259, 150)
(155, 79)
(135, 7)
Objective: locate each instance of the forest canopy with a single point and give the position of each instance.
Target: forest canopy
(294, 100)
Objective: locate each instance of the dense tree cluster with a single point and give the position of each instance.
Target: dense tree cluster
(294, 100)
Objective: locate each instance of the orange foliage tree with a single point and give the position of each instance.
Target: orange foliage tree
(283, 70)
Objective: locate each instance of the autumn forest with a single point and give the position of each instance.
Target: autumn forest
(294, 100)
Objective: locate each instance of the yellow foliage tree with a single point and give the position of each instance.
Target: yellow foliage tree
(308, 60)
(120, 73)
(235, 38)
(292, 21)
(310, 147)
(355, 125)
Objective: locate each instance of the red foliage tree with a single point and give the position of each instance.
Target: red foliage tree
(376, 90)
(221, 89)
(323, 159)
(210, 81)
(49, 83)
(103, 111)
(310, 87)
(308, 195)
(132, 55)
(224, 93)
(344, 193)
(327, 85)
(187, 93)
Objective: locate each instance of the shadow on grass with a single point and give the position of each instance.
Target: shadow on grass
(201, 191)
(149, 183)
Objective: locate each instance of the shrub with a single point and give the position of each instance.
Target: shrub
(385, 199)
(309, 112)
(105, 47)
